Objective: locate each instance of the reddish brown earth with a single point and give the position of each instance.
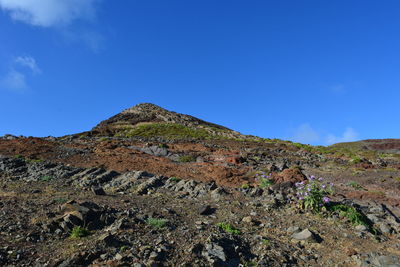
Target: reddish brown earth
(223, 162)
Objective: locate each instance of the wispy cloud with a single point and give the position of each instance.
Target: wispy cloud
(349, 135)
(16, 78)
(49, 13)
(59, 15)
(305, 134)
(308, 135)
(14, 81)
(29, 62)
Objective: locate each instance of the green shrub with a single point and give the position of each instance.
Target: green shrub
(227, 227)
(60, 200)
(313, 195)
(265, 183)
(355, 159)
(245, 186)
(263, 179)
(186, 158)
(157, 223)
(46, 178)
(351, 213)
(175, 179)
(266, 241)
(169, 131)
(78, 232)
(355, 185)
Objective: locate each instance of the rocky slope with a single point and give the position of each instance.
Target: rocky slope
(379, 145)
(150, 187)
(154, 118)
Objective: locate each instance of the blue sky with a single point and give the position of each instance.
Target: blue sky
(313, 71)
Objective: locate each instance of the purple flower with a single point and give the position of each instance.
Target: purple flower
(326, 199)
(312, 177)
(301, 198)
(309, 189)
(320, 179)
(323, 186)
(305, 193)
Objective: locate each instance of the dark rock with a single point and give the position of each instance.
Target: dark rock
(206, 210)
(97, 190)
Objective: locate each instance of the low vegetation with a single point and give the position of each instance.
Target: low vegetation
(157, 223)
(46, 178)
(186, 158)
(355, 217)
(263, 179)
(79, 232)
(314, 194)
(169, 131)
(227, 227)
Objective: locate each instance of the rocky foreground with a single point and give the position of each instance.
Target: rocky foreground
(132, 192)
(140, 219)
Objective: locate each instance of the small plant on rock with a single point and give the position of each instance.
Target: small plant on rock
(355, 185)
(46, 178)
(157, 223)
(227, 227)
(79, 232)
(264, 180)
(186, 158)
(175, 179)
(314, 194)
(245, 186)
(351, 213)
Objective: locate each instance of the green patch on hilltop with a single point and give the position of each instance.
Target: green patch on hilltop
(169, 131)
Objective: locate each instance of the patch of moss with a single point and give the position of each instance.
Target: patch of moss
(46, 178)
(227, 227)
(166, 130)
(157, 223)
(79, 232)
(186, 158)
(352, 214)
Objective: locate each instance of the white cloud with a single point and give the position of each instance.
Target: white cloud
(14, 81)
(305, 134)
(16, 77)
(349, 135)
(49, 13)
(29, 62)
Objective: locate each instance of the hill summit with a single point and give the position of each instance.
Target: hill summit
(151, 121)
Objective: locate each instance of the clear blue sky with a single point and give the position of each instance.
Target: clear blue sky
(314, 71)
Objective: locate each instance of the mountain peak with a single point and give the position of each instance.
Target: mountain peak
(150, 120)
(144, 107)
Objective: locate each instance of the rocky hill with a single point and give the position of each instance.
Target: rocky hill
(151, 187)
(149, 120)
(379, 145)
